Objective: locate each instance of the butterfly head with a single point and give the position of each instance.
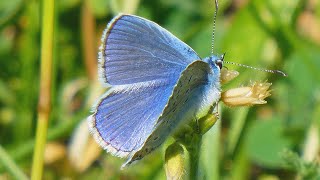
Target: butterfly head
(215, 62)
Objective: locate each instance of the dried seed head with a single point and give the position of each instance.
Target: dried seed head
(246, 96)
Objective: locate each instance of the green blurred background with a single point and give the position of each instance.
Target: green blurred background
(279, 140)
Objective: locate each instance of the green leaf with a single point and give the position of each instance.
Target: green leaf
(8, 9)
(266, 141)
(99, 7)
(64, 5)
(124, 6)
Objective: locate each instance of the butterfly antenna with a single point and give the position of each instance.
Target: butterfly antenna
(259, 69)
(214, 25)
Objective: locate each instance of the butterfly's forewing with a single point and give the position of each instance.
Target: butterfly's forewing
(198, 88)
(135, 49)
(143, 62)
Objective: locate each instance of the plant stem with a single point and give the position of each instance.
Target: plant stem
(41, 136)
(89, 42)
(10, 165)
(194, 154)
(236, 129)
(214, 160)
(45, 87)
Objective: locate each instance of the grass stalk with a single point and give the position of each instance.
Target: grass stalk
(236, 129)
(89, 41)
(10, 165)
(194, 156)
(214, 160)
(210, 153)
(20, 151)
(45, 87)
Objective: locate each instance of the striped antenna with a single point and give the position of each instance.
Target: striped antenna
(259, 69)
(214, 25)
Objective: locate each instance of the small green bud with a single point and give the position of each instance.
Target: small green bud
(174, 161)
(206, 122)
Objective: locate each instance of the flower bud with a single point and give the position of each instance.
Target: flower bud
(206, 122)
(174, 161)
(227, 75)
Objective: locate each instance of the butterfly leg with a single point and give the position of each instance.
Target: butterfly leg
(197, 126)
(215, 110)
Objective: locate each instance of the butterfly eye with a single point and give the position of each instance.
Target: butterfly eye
(219, 63)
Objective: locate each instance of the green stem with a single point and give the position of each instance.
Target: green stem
(236, 129)
(45, 87)
(89, 41)
(214, 143)
(38, 157)
(240, 166)
(10, 165)
(194, 154)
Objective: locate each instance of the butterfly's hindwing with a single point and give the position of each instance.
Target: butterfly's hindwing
(126, 115)
(196, 91)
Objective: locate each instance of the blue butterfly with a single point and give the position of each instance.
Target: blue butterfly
(157, 83)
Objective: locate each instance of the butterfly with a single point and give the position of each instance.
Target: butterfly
(157, 83)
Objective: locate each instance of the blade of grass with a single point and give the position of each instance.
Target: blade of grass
(214, 164)
(28, 55)
(241, 165)
(194, 155)
(211, 150)
(236, 128)
(10, 165)
(45, 87)
(88, 41)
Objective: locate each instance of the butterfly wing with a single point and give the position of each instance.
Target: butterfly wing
(198, 88)
(135, 50)
(126, 115)
(142, 62)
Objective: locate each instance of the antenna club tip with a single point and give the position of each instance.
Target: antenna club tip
(282, 73)
(216, 3)
(259, 69)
